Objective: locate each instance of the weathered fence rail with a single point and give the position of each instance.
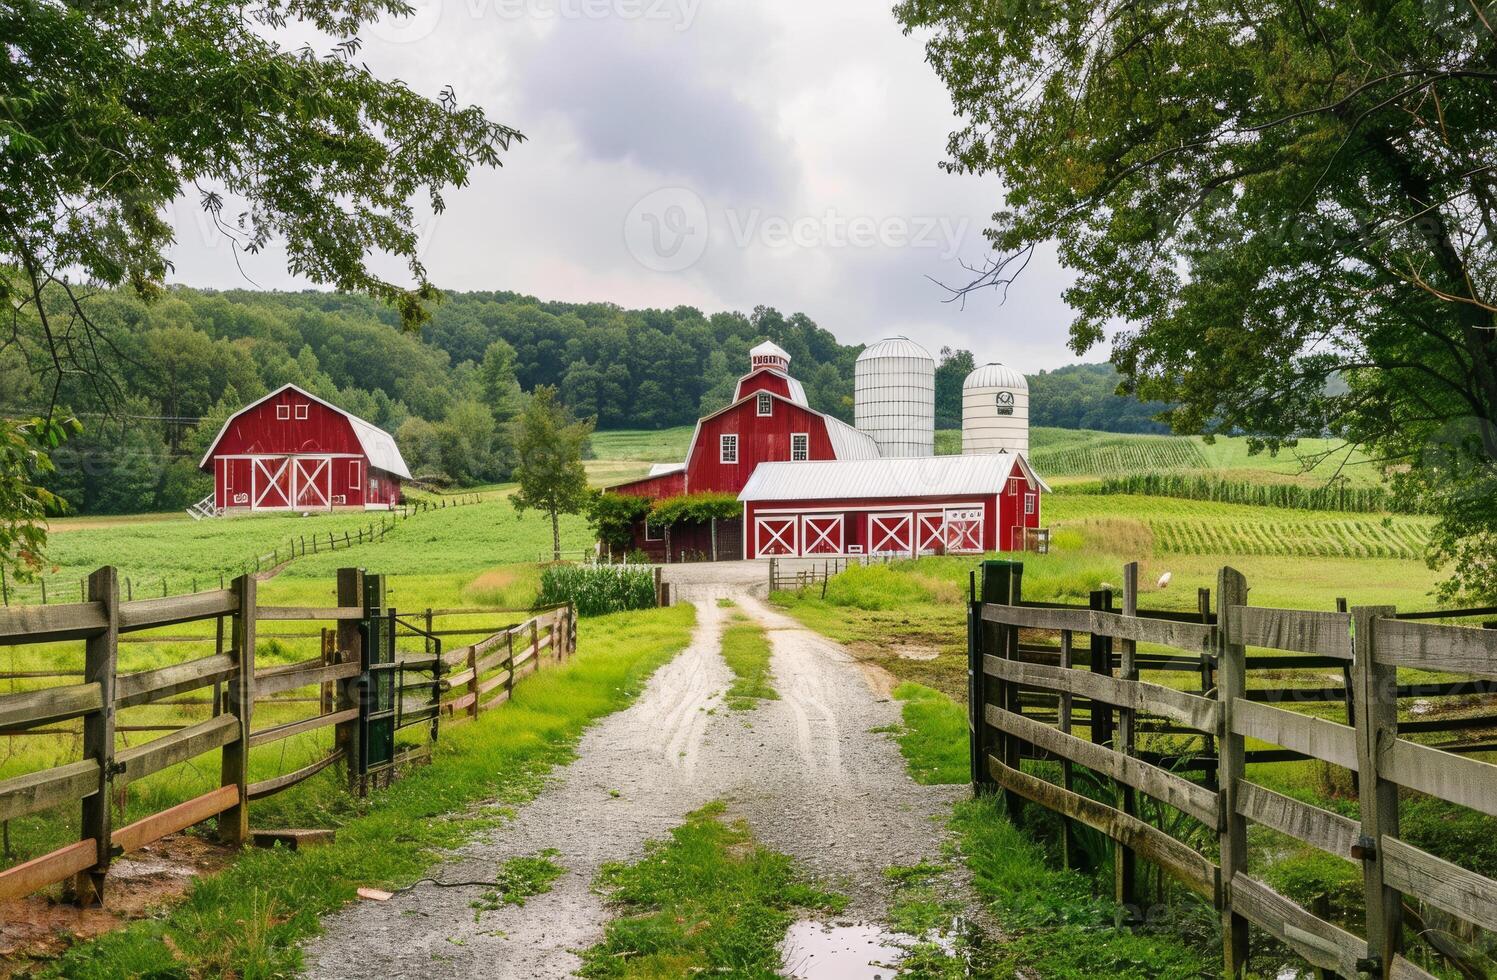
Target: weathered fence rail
(363, 693)
(1013, 683)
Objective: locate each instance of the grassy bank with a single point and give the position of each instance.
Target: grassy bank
(746, 650)
(708, 900)
(249, 920)
(1056, 923)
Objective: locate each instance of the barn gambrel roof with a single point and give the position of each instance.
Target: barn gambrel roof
(377, 444)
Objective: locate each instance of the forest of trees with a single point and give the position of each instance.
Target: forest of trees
(189, 359)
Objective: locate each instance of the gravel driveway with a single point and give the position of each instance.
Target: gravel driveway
(805, 771)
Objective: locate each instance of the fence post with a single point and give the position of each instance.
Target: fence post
(473, 681)
(976, 691)
(535, 645)
(1231, 591)
(100, 657)
(996, 589)
(1073, 856)
(658, 595)
(1376, 698)
(1101, 663)
(1125, 861)
(233, 823)
(1208, 682)
(509, 666)
(350, 650)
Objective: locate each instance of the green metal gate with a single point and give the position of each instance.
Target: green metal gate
(396, 692)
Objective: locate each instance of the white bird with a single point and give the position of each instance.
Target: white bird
(1165, 579)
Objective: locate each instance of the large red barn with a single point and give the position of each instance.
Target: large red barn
(814, 485)
(292, 451)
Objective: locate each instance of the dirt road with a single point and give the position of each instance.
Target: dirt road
(805, 771)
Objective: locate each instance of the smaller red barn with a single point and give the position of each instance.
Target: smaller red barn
(292, 451)
(906, 507)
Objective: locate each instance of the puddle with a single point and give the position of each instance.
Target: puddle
(843, 951)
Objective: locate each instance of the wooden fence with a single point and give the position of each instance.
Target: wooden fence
(463, 682)
(1095, 685)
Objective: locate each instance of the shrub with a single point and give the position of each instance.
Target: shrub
(875, 587)
(597, 590)
(612, 516)
(695, 508)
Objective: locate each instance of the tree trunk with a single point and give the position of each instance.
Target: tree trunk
(555, 537)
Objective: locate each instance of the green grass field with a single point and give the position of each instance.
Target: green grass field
(1062, 456)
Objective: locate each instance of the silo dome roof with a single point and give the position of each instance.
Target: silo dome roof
(995, 375)
(896, 347)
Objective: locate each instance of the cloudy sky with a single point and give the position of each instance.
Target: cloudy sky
(716, 153)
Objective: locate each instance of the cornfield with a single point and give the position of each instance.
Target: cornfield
(1122, 455)
(599, 589)
(1185, 486)
(1330, 538)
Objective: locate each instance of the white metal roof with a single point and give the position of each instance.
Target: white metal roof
(896, 347)
(995, 375)
(849, 442)
(661, 469)
(840, 479)
(768, 349)
(376, 443)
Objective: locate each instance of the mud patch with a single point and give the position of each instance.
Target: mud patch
(917, 653)
(38, 928)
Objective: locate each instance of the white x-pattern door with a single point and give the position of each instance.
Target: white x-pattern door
(889, 534)
(964, 530)
(313, 482)
(930, 531)
(822, 535)
(775, 536)
(271, 483)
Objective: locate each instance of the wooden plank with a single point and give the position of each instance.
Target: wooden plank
(1202, 714)
(1319, 942)
(1448, 886)
(1450, 777)
(49, 705)
(1180, 793)
(1180, 861)
(48, 869)
(461, 703)
(1314, 737)
(272, 786)
(265, 736)
(458, 656)
(293, 613)
(137, 835)
(280, 680)
(1325, 634)
(458, 679)
(496, 700)
(1328, 831)
(152, 685)
(491, 661)
(1404, 970)
(142, 760)
(43, 790)
(49, 624)
(144, 614)
(1181, 635)
(485, 687)
(1456, 649)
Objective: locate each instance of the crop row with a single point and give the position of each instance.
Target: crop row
(1335, 538)
(1122, 457)
(1186, 486)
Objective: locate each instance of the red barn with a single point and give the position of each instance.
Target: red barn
(292, 451)
(814, 485)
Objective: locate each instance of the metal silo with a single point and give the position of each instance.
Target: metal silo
(894, 396)
(995, 411)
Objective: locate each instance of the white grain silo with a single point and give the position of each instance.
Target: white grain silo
(995, 411)
(894, 398)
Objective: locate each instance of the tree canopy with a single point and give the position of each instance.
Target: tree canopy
(1290, 205)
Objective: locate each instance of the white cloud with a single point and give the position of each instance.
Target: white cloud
(776, 113)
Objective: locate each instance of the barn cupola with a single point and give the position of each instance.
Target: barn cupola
(770, 355)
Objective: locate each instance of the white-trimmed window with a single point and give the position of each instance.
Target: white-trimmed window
(800, 447)
(727, 448)
(355, 473)
(301, 410)
(1028, 503)
(766, 403)
(282, 412)
(652, 532)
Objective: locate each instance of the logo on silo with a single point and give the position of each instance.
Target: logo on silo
(1005, 403)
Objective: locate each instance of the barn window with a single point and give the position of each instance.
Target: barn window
(653, 532)
(800, 447)
(1029, 503)
(766, 403)
(283, 412)
(728, 449)
(355, 474)
(301, 410)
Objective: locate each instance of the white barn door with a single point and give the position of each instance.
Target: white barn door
(964, 531)
(270, 483)
(775, 536)
(821, 535)
(313, 480)
(890, 534)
